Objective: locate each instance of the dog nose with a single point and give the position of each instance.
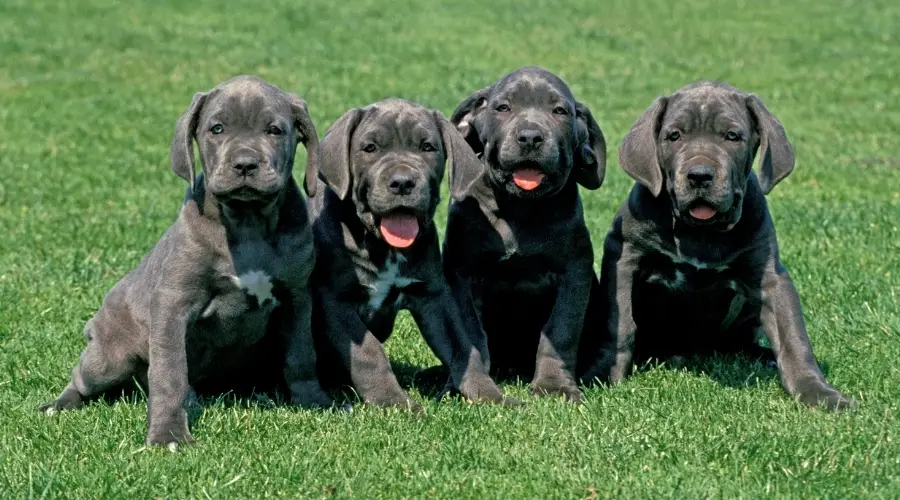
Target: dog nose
(701, 175)
(401, 184)
(245, 164)
(530, 138)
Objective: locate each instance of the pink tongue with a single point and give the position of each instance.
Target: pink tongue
(528, 178)
(399, 230)
(703, 212)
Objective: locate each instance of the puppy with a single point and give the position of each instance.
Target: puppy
(227, 285)
(517, 252)
(378, 249)
(691, 263)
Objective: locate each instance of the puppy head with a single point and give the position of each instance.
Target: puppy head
(247, 131)
(533, 134)
(388, 158)
(699, 144)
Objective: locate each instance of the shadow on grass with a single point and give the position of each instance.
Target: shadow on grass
(728, 370)
(272, 397)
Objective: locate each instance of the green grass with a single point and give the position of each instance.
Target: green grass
(89, 95)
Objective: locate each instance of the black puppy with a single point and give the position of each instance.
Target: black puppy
(377, 249)
(517, 252)
(691, 263)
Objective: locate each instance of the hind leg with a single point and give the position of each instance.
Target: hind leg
(100, 368)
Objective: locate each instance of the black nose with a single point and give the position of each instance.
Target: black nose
(530, 138)
(701, 175)
(245, 164)
(401, 184)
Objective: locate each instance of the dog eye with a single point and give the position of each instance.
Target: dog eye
(217, 129)
(732, 136)
(428, 147)
(503, 108)
(273, 130)
(559, 110)
(673, 136)
(369, 148)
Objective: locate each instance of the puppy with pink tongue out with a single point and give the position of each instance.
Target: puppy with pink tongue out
(517, 251)
(528, 179)
(399, 230)
(377, 251)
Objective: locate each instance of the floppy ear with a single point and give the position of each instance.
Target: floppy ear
(466, 117)
(776, 156)
(638, 155)
(334, 152)
(590, 159)
(306, 133)
(182, 154)
(465, 167)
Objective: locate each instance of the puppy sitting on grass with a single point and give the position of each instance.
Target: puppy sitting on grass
(222, 300)
(691, 264)
(517, 251)
(378, 250)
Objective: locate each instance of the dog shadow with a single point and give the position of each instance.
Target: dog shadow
(272, 397)
(429, 381)
(733, 370)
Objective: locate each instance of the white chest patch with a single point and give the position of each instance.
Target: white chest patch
(257, 284)
(388, 279)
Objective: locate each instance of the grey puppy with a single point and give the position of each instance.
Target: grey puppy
(227, 285)
(378, 249)
(517, 252)
(691, 263)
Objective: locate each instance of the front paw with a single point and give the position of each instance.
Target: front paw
(170, 434)
(395, 399)
(826, 396)
(310, 394)
(483, 389)
(557, 386)
(70, 399)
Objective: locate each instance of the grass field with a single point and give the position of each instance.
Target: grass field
(89, 95)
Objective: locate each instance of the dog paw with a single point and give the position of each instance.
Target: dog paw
(313, 400)
(482, 389)
(826, 397)
(566, 389)
(68, 400)
(310, 395)
(171, 436)
(399, 400)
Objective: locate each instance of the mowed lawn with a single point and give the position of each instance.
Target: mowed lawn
(89, 95)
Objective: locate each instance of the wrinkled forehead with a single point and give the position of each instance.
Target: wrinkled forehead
(248, 102)
(398, 121)
(707, 107)
(532, 88)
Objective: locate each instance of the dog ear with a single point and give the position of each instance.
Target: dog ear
(466, 118)
(334, 152)
(776, 156)
(638, 155)
(590, 159)
(306, 133)
(182, 153)
(465, 167)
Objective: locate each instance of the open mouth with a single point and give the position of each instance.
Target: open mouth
(702, 211)
(528, 179)
(399, 228)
